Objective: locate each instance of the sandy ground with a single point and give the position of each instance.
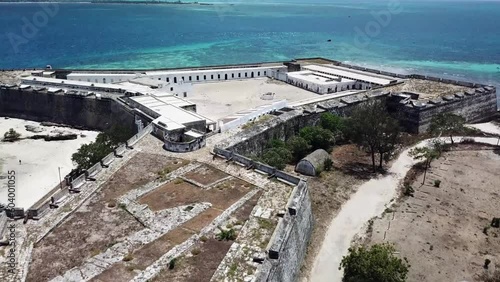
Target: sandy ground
(441, 230)
(38, 172)
(369, 201)
(220, 99)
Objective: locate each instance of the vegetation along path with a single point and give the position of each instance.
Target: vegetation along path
(369, 201)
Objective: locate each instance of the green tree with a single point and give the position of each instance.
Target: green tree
(90, 154)
(388, 139)
(299, 147)
(447, 124)
(371, 128)
(374, 264)
(428, 154)
(277, 157)
(11, 135)
(317, 137)
(333, 123)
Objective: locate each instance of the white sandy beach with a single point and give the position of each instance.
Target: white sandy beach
(38, 172)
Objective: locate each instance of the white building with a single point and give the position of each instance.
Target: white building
(366, 80)
(179, 81)
(319, 82)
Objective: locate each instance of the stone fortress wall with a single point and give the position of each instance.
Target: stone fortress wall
(74, 110)
(290, 239)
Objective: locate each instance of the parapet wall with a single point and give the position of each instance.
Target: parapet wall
(82, 112)
(291, 239)
(416, 116)
(57, 195)
(288, 245)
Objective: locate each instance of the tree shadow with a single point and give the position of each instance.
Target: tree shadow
(497, 151)
(359, 170)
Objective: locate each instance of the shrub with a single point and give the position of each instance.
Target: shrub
(171, 264)
(468, 140)
(195, 251)
(408, 190)
(317, 137)
(11, 135)
(203, 239)
(227, 235)
(333, 123)
(437, 183)
(128, 257)
(328, 165)
(377, 263)
(299, 147)
(111, 204)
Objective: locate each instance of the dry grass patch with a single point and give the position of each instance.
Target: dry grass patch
(205, 175)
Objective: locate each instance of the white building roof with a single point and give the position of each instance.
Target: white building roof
(168, 123)
(159, 100)
(101, 74)
(317, 78)
(352, 74)
(172, 116)
(41, 80)
(209, 71)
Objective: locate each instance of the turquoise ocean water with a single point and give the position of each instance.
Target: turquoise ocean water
(458, 39)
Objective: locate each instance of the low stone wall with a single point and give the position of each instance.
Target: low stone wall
(254, 114)
(120, 150)
(78, 182)
(93, 171)
(289, 242)
(182, 147)
(107, 160)
(57, 194)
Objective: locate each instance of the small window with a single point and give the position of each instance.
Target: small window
(175, 79)
(232, 75)
(197, 78)
(171, 89)
(246, 74)
(168, 79)
(239, 74)
(212, 76)
(159, 78)
(265, 72)
(185, 94)
(189, 78)
(204, 77)
(218, 76)
(258, 73)
(183, 78)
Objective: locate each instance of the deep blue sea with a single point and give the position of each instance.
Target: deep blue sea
(459, 39)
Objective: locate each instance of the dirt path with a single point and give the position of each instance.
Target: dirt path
(369, 201)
